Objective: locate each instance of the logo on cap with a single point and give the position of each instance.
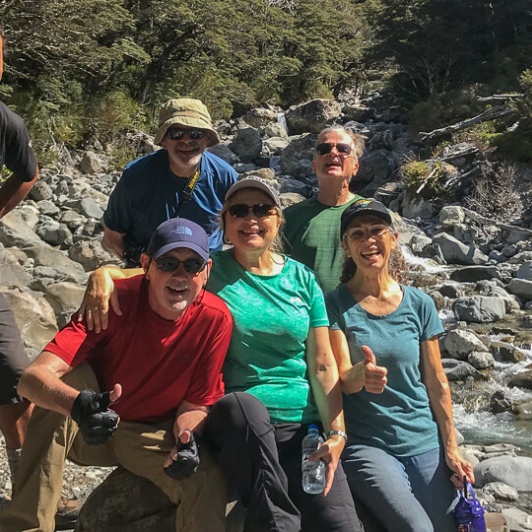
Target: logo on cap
(181, 230)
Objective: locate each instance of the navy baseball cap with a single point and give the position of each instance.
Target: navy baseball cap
(364, 206)
(179, 233)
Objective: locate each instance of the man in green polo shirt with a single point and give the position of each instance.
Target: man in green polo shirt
(313, 226)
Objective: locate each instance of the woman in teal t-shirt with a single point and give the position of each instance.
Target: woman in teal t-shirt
(401, 458)
(280, 374)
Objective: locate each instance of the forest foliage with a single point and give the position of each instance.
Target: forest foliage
(84, 69)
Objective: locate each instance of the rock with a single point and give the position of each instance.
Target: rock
(90, 163)
(455, 252)
(417, 208)
(472, 274)
(518, 521)
(522, 380)
(40, 191)
(460, 343)
(276, 130)
(358, 113)
(312, 116)
(501, 491)
(524, 411)
(521, 288)
(451, 215)
(265, 173)
(501, 401)
(376, 168)
(90, 254)
(525, 271)
(11, 272)
(46, 255)
(299, 149)
(65, 299)
(458, 370)
(260, 117)
(488, 288)
(53, 232)
(15, 232)
(451, 290)
(506, 352)
(125, 502)
(481, 359)
(479, 309)
(89, 208)
(513, 471)
(225, 153)
(418, 243)
(34, 316)
(275, 145)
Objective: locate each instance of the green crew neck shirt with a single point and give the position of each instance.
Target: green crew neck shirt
(272, 316)
(313, 233)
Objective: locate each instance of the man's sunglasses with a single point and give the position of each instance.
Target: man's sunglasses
(326, 147)
(177, 133)
(260, 210)
(169, 264)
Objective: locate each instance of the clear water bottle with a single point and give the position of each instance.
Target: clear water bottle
(313, 478)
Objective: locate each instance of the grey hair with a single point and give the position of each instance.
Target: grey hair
(359, 141)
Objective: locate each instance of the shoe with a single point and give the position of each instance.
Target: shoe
(67, 513)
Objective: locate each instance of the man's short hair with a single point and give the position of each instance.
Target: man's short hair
(359, 141)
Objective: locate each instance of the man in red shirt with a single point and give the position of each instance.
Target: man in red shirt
(159, 366)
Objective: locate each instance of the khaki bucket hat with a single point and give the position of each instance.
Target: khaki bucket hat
(186, 112)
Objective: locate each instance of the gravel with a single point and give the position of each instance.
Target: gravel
(78, 481)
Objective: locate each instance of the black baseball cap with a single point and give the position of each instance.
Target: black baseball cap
(364, 206)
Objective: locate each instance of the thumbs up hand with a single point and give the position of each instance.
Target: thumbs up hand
(374, 376)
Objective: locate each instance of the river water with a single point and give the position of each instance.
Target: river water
(471, 402)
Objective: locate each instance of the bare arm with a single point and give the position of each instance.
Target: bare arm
(114, 242)
(41, 384)
(324, 380)
(439, 392)
(13, 191)
(100, 291)
(354, 377)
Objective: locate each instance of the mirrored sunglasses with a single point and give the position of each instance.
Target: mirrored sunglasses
(169, 264)
(326, 147)
(261, 210)
(177, 133)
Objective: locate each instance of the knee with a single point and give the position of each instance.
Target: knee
(235, 414)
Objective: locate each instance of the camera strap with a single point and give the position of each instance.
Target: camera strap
(186, 195)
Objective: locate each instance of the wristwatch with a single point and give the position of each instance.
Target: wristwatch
(339, 433)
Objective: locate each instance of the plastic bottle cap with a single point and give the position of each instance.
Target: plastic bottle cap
(313, 426)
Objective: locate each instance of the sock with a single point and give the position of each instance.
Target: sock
(13, 458)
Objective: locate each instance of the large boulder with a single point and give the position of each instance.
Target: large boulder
(459, 343)
(521, 288)
(455, 252)
(515, 471)
(247, 144)
(125, 502)
(300, 149)
(479, 309)
(15, 232)
(313, 116)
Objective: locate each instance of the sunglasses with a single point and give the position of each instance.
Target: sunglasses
(176, 133)
(261, 210)
(169, 264)
(326, 147)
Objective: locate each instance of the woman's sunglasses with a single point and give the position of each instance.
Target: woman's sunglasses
(177, 133)
(326, 147)
(169, 264)
(261, 210)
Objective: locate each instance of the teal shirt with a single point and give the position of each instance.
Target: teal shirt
(272, 317)
(313, 234)
(399, 420)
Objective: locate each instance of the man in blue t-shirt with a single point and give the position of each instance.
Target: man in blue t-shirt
(181, 180)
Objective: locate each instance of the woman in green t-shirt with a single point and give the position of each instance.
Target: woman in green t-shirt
(280, 374)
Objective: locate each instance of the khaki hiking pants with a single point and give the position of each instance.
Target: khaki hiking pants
(138, 447)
